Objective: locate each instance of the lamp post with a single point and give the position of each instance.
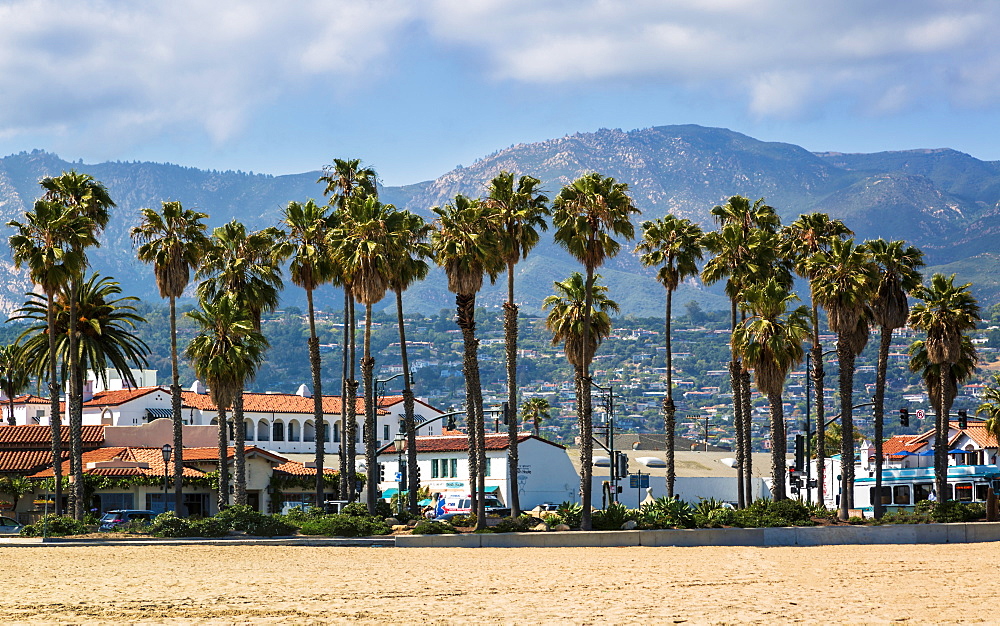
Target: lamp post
(400, 476)
(167, 451)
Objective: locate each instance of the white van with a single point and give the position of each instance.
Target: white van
(456, 503)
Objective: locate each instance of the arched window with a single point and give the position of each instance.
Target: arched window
(263, 431)
(326, 432)
(278, 431)
(248, 430)
(309, 432)
(336, 432)
(294, 432)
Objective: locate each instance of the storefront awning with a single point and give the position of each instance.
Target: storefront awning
(157, 413)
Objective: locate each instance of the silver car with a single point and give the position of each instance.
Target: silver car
(9, 526)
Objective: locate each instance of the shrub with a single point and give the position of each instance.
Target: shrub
(246, 520)
(209, 527)
(666, 513)
(132, 526)
(765, 513)
(54, 526)
(465, 521)
(952, 511)
(613, 516)
(169, 525)
(905, 517)
(297, 517)
(340, 525)
(430, 527)
(519, 524)
(360, 509)
(571, 514)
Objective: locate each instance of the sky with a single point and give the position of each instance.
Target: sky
(417, 87)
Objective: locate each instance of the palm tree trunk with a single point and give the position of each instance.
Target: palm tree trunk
(465, 306)
(747, 434)
(669, 408)
(818, 381)
(316, 365)
(845, 359)
(941, 435)
(346, 476)
(351, 433)
(239, 455)
(883, 365)
(510, 331)
(737, 388)
(55, 416)
(412, 473)
(778, 447)
(223, 484)
(175, 409)
(75, 405)
(367, 373)
(586, 409)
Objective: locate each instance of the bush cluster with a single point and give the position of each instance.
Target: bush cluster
(246, 520)
(341, 525)
(360, 509)
(520, 524)
(54, 526)
(666, 513)
(431, 527)
(765, 513)
(612, 517)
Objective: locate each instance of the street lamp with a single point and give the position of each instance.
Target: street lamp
(167, 451)
(400, 476)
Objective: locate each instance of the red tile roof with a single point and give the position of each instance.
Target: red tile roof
(212, 454)
(152, 457)
(274, 403)
(901, 443)
(293, 468)
(981, 436)
(25, 461)
(121, 396)
(388, 401)
(451, 443)
(37, 437)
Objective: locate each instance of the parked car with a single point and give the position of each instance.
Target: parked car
(120, 517)
(456, 504)
(9, 526)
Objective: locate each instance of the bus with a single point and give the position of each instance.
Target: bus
(903, 488)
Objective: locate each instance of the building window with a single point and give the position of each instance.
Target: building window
(279, 431)
(901, 494)
(486, 469)
(385, 432)
(434, 469)
(454, 468)
(112, 501)
(336, 432)
(326, 432)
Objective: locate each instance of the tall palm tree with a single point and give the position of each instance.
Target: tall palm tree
(410, 248)
(536, 411)
(14, 375)
(520, 211)
(674, 245)
(243, 265)
(88, 198)
(173, 241)
(946, 313)
(845, 282)
(744, 249)
(346, 179)
(311, 266)
(897, 265)
(801, 240)
(367, 251)
(990, 407)
(50, 244)
(225, 354)
(770, 343)
(466, 247)
(589, 213)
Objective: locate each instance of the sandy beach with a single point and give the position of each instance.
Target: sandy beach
(313, 585)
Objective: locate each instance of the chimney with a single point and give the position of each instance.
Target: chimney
(304, 391)
(198, 387)
(88, 391)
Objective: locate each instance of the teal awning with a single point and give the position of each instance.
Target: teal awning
(492, 489)
(388, 493)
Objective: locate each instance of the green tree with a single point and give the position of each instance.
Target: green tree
(588, 214)
(990, 407)
(535, 411)
(225, 354)
(14, 376)
(897, 265)
(672, 244)
(172, 240)
(311, 266)
(770, 343)
(50, 244)
(945, 314)
(520, 211)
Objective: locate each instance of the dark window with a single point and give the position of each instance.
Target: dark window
(900, 495)
(963, 492)
(982, 492)
(922, 491)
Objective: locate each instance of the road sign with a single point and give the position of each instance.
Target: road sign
(920, 414)
(399, 477)
(636, 481)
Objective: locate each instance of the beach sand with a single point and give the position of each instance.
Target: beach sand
(314, 585)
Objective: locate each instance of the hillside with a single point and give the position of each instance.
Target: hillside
(941, 200)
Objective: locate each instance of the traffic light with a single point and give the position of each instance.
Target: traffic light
(451, 422)
(800, 450)
(622, 464)
(963, 419)
(381, 472)
(505, 410)
(904, 417)
(403, 475)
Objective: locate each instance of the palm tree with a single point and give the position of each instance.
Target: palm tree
(770, 343)
(311, 266)
(897, 265)
(520, 211)
(50, 244)
(845, 283)
(409, 251)
(589, 212)
(173, 242)
(945, 315)
(801, 240)
(466, 247)
(88, 198)
(366, 250)
(674, 245)
(536, 411)
(744, 249)
(243, 265)
(14, 376)
(990, 406)
(225, 354)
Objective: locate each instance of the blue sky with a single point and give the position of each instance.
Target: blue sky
(415, 88)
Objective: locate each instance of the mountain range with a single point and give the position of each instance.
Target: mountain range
(941, 200)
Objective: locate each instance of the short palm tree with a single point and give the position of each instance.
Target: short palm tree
(50, 244)
(173, 241)
(801, 240)
(897, 265)
(520, 210)
(225, 354)
(14, 375)
(845, 283)
(990, 407)
(770, 342)
(536, 411)
(308, 227)
(946, 313)
(672, 244)
(466, 246)
(589, 213)
(242, 264)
